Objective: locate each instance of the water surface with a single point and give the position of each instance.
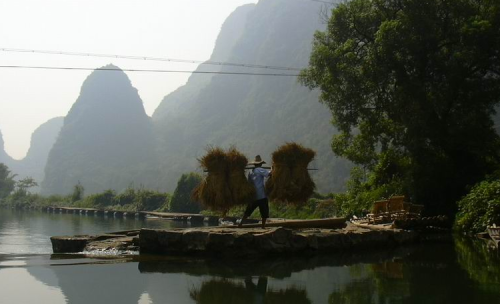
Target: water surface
(30, 231)
(462, 271)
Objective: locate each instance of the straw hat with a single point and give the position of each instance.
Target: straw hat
(257, 161)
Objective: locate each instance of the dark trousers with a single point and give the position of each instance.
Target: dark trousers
(263, 205)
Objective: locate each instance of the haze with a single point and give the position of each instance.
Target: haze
(184, 29)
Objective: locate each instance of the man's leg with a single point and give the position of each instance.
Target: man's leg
(242, 220)
(264, 211)
(248, 212)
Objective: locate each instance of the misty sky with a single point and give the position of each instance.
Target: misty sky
(180, 29)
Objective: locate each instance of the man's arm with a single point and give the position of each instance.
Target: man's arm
(263, 172)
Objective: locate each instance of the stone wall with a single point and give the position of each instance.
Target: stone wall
(236, 242)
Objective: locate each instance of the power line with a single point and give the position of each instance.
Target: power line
(331, 3)
(141, 70)
(147, 58)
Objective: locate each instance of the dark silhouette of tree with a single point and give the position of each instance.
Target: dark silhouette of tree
(412, 87)
(7, 182)
(181, 199)
(77, 194)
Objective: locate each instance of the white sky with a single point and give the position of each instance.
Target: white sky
(180, 29)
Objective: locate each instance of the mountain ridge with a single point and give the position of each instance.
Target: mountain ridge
(106, 141)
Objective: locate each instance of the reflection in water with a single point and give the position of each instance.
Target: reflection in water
(18, 286)
(426, 274)
(481, 263)
(430, 274)
(460, 272)
(276, 266)
(218, 291)
(386, 284)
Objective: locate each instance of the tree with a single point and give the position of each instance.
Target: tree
(181, 199)
(101, 200)
(24, 184)
(148, 200)
(7, 181)
(412, 86)
(77, 194)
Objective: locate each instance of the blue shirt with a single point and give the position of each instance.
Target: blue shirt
(257, 178)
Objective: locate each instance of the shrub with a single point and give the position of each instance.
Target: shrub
(148, 200)
(181, 199)
(77, 194)
(100, 200)
(363, 190)
(480, 208)
(128, 197)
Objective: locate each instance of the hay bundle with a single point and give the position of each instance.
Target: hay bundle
(243, 192)
(225, 185)
(290, 182)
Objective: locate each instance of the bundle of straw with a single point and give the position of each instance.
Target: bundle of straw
(243, 192)
(225, 185)
(290, 181)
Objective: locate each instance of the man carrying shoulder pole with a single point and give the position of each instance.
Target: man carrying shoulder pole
(257, 176)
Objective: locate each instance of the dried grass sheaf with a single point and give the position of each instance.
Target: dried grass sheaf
(290, 181)
(225, 185)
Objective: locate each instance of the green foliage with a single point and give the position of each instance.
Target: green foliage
(147, 200)
(34, 200)
(313, 209)
(480, 208)
(128, 197)
(21, 188)
(101, 200)
(181, 199)
(7, 182)
(364, 188)
(129, 200)
(77, 194)
(418, 80)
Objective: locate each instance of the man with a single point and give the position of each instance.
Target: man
(257, 177)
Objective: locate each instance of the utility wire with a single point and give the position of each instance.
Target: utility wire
(326, 2)
(141, 70)
(246, 65)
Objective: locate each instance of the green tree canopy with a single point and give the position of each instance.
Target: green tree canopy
(414, 82)
(7, 182)
(480, 208)
(181, 199)
(24, 184)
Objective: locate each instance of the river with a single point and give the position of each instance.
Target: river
(459, 271)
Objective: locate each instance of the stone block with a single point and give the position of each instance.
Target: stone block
(299, 242)
(148, 241)
(65, 244)
(170, 240)
(194, 240)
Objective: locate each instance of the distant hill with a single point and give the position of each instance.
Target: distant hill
(106, 141)
(42, 140)
(255, 113)
(4, 157)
